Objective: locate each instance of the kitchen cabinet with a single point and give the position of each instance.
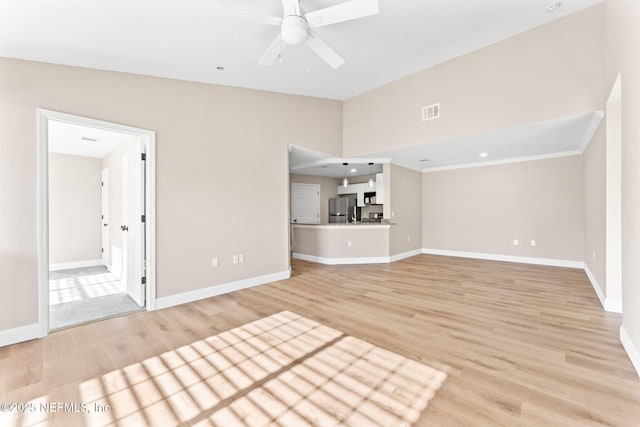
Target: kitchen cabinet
(380, 188)
(357, 189)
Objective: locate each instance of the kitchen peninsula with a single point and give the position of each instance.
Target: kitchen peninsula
(362, 243)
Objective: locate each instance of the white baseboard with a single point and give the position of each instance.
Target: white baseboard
(607, 303)
(631, 349)
(507, 258)
(612, 305)
(341, 261)
(75, 264)
(20, 334)
(596, 286)
(225, 288)
(404, 255)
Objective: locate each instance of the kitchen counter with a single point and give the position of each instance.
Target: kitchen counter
(343, 225)
(359, 243)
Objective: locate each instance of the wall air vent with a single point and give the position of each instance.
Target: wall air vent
(430, 112)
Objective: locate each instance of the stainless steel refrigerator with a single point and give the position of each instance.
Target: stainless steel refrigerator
(341, 209)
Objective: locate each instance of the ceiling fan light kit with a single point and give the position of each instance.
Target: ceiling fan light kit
(296, 27)
(294, 30)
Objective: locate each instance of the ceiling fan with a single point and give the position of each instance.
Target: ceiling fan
(296, 26)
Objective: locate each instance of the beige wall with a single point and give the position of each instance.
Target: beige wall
(552, 71)
(113, 162)
(75, 207)
(221, 155)
(406, 205)
(333, 242)
(622, 47)
(483, 209)
(328, 189)
(595, 207)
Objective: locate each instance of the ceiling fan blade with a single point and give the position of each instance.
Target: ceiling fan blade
(272, 52)
(352, 9)
(324, 51)
(242, 15)
(291, 7)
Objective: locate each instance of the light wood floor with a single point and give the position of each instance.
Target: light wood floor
(520, 344)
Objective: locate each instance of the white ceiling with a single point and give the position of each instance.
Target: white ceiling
(186, 40)
(564, 136)
(84, 141)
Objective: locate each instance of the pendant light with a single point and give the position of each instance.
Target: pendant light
(345, 181)
(371, 181)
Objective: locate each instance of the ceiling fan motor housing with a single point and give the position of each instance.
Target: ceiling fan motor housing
(294, 30)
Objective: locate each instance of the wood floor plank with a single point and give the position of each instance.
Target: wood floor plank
(518, 344)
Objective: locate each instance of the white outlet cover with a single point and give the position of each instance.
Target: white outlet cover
(214, 262)
(241, 258)
(349, 243)
(515, 242)
(533, 243)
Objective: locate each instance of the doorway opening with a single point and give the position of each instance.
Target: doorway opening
(96, 218)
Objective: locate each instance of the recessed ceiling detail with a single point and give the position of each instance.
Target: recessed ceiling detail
(564, 136)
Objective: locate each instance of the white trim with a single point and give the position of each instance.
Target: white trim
(591, 130)
(596, 286)
(225, 288)
(42, 150)
(507, 258)
(505, 161)
(75, 264)
(342, 261)
(607, 303)
(403, 255)
(631, 349)
(20, 334)
(149, 139)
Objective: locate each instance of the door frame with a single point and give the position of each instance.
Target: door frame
(148, 138)
(104, 208)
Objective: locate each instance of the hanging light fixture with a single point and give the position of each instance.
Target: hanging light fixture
(345, 181)
(371, 181)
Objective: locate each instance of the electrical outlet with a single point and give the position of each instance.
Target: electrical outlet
(235, 259)
(241, 258)
(408, 238)
(533, 243)
(214, 261)
(349, 243)
(515, 242)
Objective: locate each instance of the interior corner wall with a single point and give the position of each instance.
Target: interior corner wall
(222, 155)
(483, 209)
(622, 47)
(595, 177)
(406, 207)
(555, 70)
(74, 209)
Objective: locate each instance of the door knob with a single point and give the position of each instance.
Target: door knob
(124, 228)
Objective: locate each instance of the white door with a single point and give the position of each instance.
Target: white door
(133, 227)
(105, 218)
(305, 203)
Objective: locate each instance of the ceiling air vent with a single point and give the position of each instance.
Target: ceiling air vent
(430, 112)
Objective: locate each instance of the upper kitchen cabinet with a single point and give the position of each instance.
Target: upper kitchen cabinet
(357, 189)
(360, 189)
